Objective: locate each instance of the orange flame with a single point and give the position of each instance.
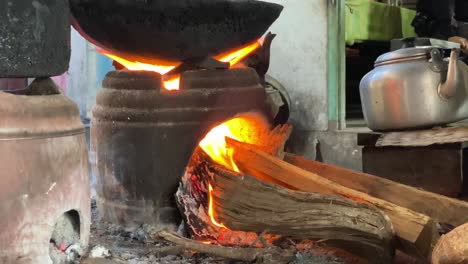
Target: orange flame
(246, 128)
(233, 57)
(214, 144)
(210, 208)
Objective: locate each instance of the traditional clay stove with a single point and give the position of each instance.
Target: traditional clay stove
(143, 136)
(44, 197)
(45, 202)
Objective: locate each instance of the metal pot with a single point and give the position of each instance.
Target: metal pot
(173, 30)
(415, 88)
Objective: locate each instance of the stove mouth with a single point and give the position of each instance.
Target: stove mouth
(65, 238)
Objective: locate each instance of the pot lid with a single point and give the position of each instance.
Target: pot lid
(415, 52)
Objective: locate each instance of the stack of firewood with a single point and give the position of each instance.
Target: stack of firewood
(280, 203)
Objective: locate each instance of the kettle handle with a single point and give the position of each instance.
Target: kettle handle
(448, 88)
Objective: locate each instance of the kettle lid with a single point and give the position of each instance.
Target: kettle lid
(406, 53)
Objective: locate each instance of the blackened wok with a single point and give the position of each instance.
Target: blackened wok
(172, 30)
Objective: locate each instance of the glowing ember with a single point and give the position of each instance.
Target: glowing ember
(232, 57)
(247, 128)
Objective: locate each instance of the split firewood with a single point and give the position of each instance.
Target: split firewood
(417, 232)
(270, 255)
(453, 247)
(272, 142)
(441, 208)
(338, 222)
(245, 203)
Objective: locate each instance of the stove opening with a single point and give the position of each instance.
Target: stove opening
(65, 239)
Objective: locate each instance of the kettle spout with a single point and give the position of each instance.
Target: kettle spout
(448, 89)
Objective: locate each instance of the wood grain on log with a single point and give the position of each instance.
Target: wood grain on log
(244, 203)
(453, 247)
(443, 209)
(416, 232)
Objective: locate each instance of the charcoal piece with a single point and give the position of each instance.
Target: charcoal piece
(34, 38)
(175, 30)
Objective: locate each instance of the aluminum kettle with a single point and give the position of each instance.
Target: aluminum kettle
(415, 88)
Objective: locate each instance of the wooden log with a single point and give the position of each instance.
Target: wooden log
(242, 202)
(192, 194)
(417, 232)
(453, 247)
(441, 208)
(193, 201)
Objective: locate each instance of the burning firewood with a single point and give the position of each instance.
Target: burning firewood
(229, 208)
(416, 232)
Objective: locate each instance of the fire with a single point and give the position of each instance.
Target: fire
(210, 208)
(172, 84)
(247, 128)
(233, 57)
(139, 66)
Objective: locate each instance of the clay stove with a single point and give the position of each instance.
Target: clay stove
(144, 135)
(44, 196)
